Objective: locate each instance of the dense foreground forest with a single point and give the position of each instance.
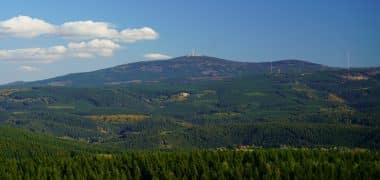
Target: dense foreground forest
(29, 155)
(230, 164)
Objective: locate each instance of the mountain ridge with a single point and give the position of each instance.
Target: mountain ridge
(183, 67)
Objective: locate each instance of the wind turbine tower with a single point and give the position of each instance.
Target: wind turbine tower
(348, 57)
(271, 67)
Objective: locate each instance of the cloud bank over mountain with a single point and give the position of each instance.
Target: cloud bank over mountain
(28, 27)
(86, 39)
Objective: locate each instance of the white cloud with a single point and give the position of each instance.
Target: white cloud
(132, 35)
(156, 56)
(91, 29)
(28, 69)
(24, 26)
(97, 47)
(4, 54)
(89, 39)
(91, 49)
(87, 29)
(34, 54)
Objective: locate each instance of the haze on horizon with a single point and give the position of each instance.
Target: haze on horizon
(42, 39)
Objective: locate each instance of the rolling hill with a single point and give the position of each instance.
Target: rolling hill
(185, 68)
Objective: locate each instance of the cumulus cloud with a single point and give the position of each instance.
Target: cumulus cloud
(88, 39)
(28, 69)
(91, 29)
(35, 54)
(97, 47)
(91, 49)
(25, 26)
(132, 35)
(156, 56)
(87, 29)
(3, 54)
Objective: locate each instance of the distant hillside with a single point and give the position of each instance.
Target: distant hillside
(198, 103)
(191, 68)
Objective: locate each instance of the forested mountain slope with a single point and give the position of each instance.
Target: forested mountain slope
(188, 103)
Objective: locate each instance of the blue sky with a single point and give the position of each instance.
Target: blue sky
(41, 39)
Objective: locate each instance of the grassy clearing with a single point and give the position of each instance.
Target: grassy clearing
(255, 94)
(118, 117)
(335, 99)
(18, 113)
(57, 107)
(224, 115)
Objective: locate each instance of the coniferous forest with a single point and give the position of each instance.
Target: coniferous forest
(228, 164)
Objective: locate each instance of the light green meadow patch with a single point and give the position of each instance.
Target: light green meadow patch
(58, 107)
(255, 94)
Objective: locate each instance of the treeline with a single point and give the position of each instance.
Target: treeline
(250, 164)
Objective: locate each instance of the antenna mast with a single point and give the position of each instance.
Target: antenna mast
(348, 60)
(271, 67)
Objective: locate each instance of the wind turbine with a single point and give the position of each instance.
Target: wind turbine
(271, 66)
(348, 56)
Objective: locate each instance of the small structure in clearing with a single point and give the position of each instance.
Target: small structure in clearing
(182, 96)
(359, 77)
